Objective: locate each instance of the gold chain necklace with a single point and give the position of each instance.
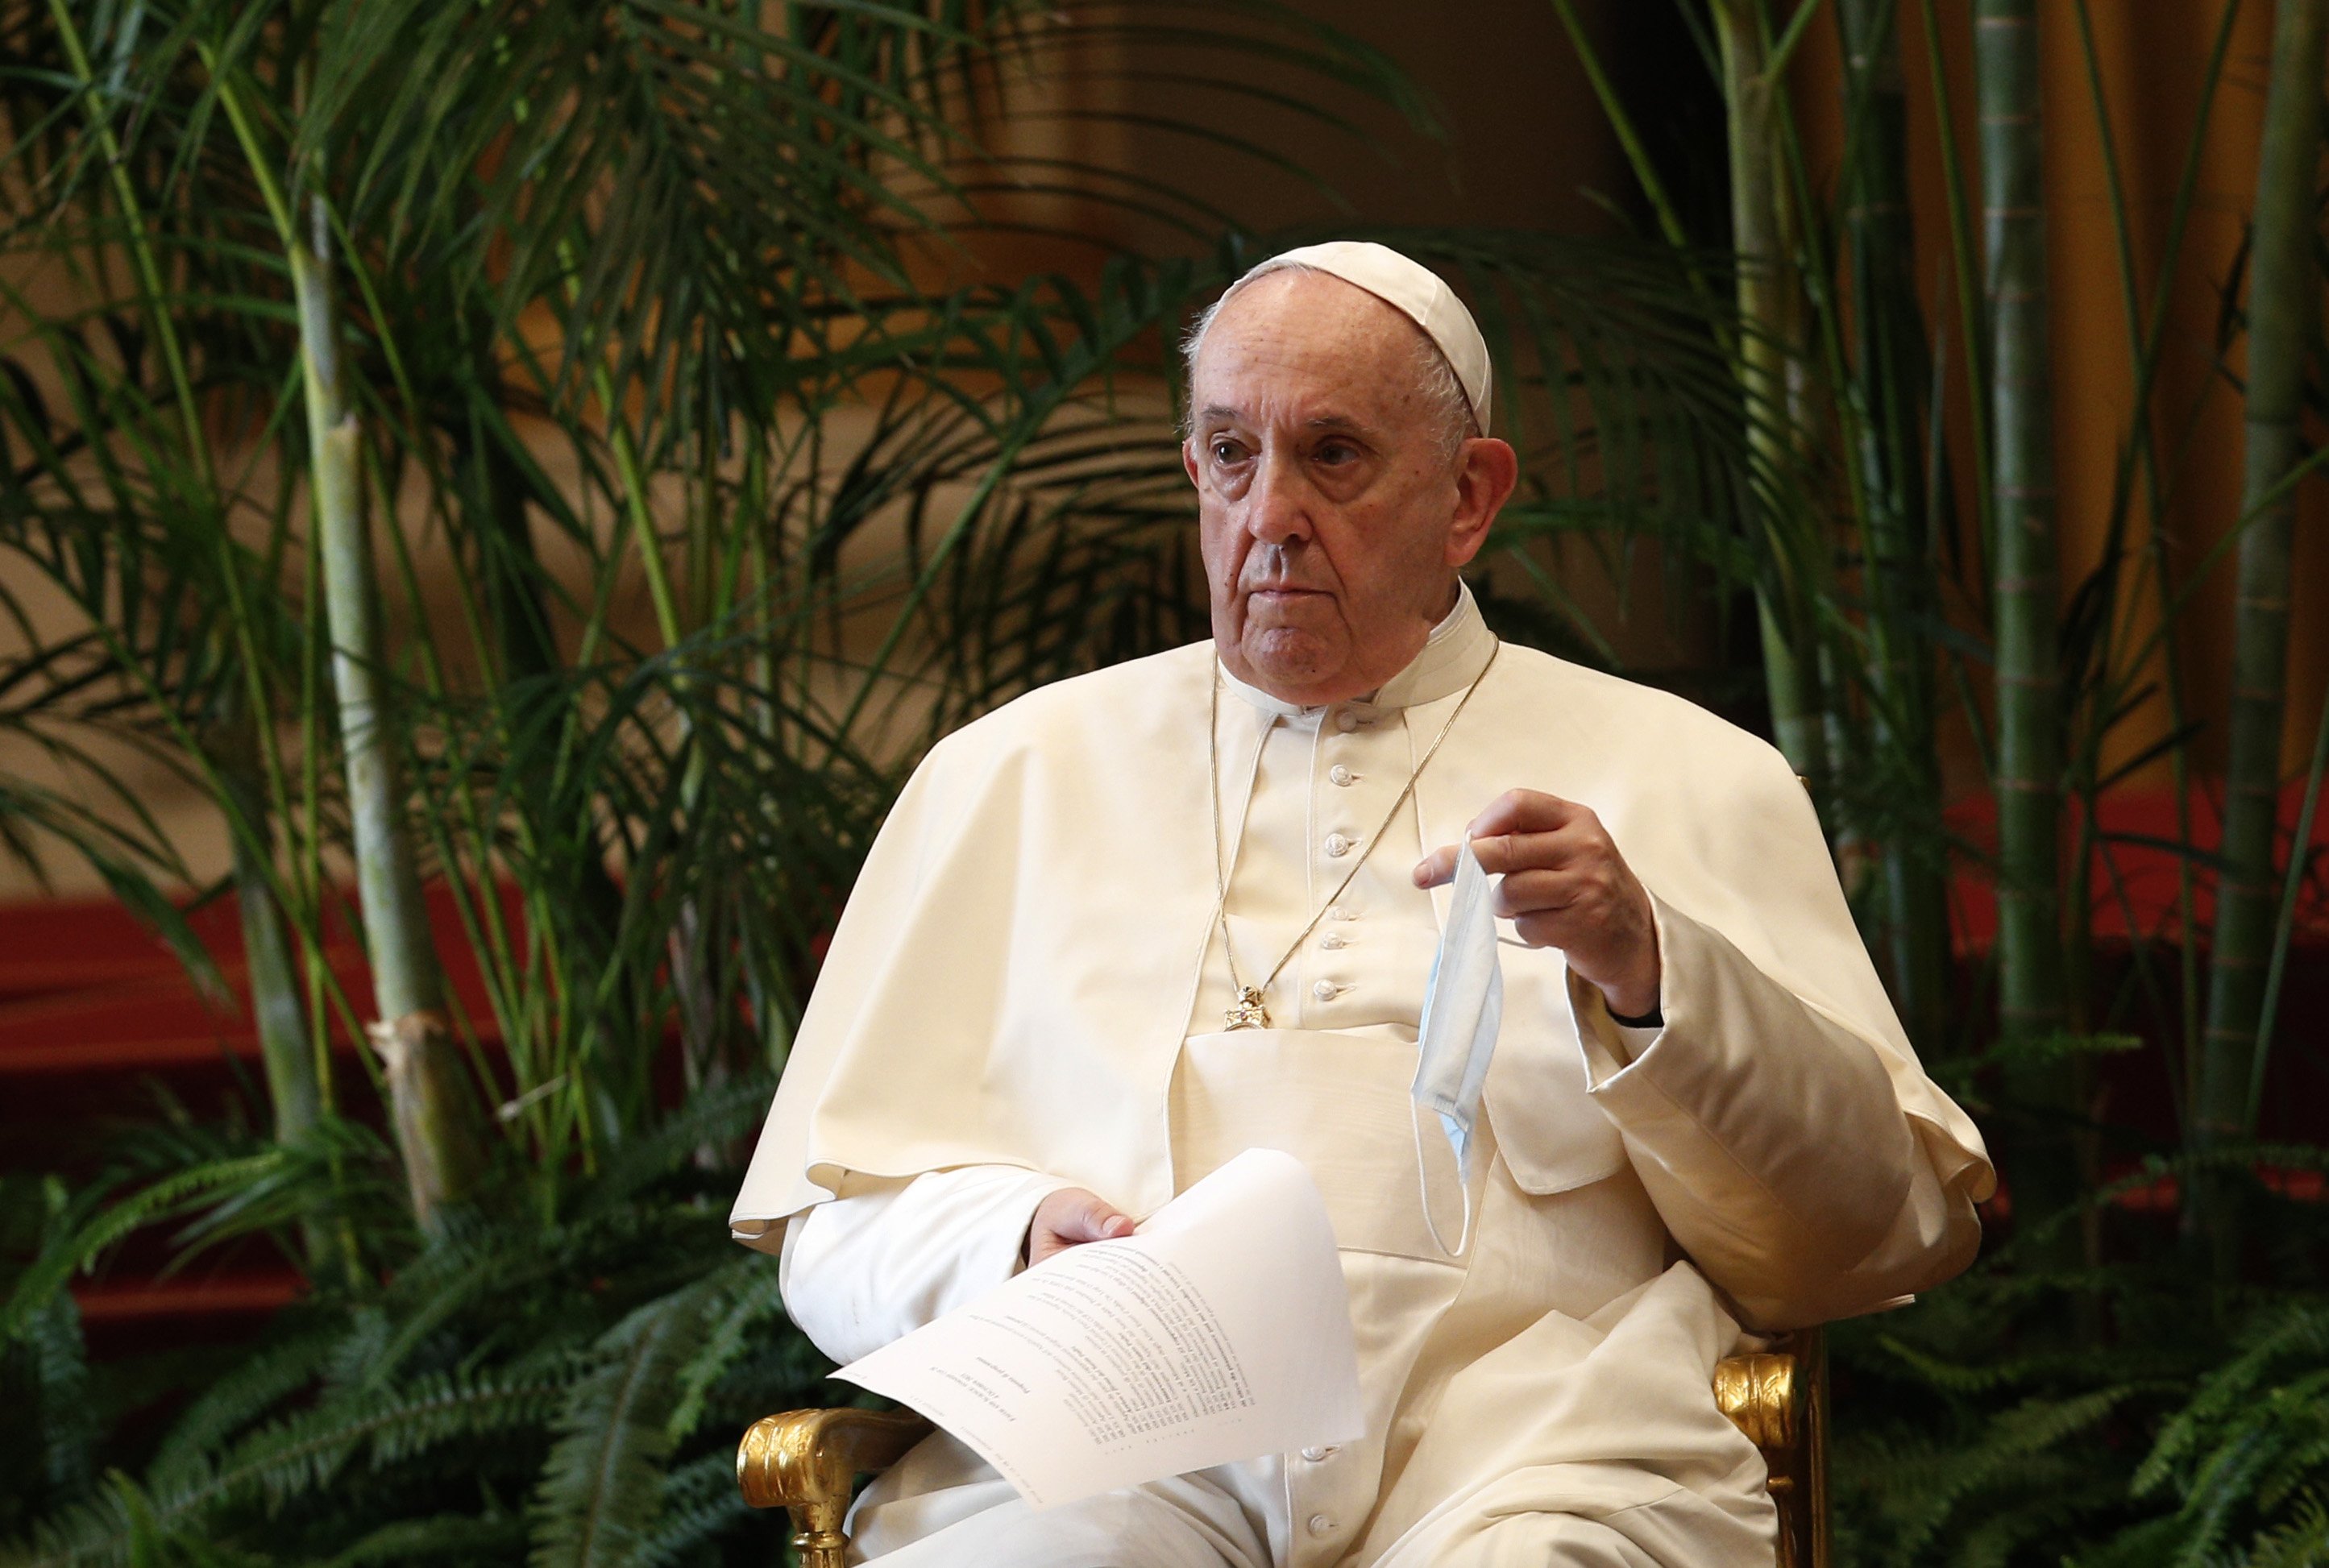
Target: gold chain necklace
(1246, 1010)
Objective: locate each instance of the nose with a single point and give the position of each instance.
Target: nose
(1277, 504)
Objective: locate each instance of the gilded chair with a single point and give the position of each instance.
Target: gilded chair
(807, 1461)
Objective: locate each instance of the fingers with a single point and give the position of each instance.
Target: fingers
(1525, 812)
(1543, 928)
(1093, 1220)
(1070, 1218)
(1437, 867)
(1519, 854)
(1535, 892)
(1074, 1216)
(1521, 830)
(1504, 854)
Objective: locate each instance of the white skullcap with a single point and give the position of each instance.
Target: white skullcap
(1411, 288)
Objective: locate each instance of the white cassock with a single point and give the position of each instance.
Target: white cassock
(1027, 992)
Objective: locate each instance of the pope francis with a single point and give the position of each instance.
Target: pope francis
(1135, 922)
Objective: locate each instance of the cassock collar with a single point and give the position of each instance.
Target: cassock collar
(1453, 656)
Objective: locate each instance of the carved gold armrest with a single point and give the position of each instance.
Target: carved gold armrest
(806, 1462)
(1778, 1399)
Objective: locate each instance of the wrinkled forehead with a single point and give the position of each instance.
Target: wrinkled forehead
(1308, 344)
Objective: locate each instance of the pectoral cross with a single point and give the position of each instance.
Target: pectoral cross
(1247, 1012)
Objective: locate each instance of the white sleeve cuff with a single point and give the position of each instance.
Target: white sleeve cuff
(885, 1256)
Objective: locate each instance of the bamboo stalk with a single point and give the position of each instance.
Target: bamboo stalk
(2021, 484)
(1892, 375)
(2044, 1080)
(277, 1008)
(2292, 894)
(2284, 292)
(278, 1003)
(1790, 656)
(436, 1121)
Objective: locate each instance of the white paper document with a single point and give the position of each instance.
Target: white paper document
(1220, 1332)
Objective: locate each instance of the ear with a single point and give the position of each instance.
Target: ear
(1487, 470)
(1189, 458)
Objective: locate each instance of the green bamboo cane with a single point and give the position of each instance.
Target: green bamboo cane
(2032, 993)
(1892, 380)
(1790, 654)
(443, 1148)
(278, 1003)
(2292, 892)
(2284, 292)
(436, 1131)
(2021, 483)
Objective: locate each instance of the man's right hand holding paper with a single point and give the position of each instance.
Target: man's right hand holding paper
(1068, 1218)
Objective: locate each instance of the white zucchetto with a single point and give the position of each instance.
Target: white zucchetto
(1415, 291)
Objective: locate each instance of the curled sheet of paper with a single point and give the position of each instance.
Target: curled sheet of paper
(1220, 1332)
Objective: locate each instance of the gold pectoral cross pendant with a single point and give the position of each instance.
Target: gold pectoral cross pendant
(1247, 1012)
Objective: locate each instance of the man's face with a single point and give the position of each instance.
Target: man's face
(1331, 517)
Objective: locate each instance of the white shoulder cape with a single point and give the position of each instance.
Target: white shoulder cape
(1012, 977)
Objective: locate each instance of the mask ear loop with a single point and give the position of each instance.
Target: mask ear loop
(1423, 1189)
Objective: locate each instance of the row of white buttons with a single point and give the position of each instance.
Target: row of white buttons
(1336, 845)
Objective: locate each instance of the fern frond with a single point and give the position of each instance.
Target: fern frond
(745, 1298)
(463, 1537)
(712, 1116)
(301, 1454)
(68, 1421)
(2017, 1456)
(2300, 1334)
(700, 1503)
(100, 1533)
(2006, 1529)
(601, 1492)
(157, 1200)
(2302, 1543)
(269, 1378)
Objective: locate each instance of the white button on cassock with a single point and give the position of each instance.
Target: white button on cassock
(1320, 1455)
(1348, 721)
(1337, 845)
(1333, 939)
(1340, 775)
(1320, 1525)
(1342, 912)
(1325, 991)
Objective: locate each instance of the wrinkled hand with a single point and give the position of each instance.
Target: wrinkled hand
(1564, 885)
(1068, 1218)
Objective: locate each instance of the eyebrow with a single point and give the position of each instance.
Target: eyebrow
(1323, 422)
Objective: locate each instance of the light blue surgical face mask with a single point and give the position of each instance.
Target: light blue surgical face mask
(1463, 1005)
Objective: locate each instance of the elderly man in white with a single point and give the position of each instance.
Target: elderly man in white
(1137, 922)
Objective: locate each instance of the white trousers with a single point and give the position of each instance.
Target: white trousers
(1579, 1443)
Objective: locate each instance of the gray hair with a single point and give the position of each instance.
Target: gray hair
(1442, 394)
